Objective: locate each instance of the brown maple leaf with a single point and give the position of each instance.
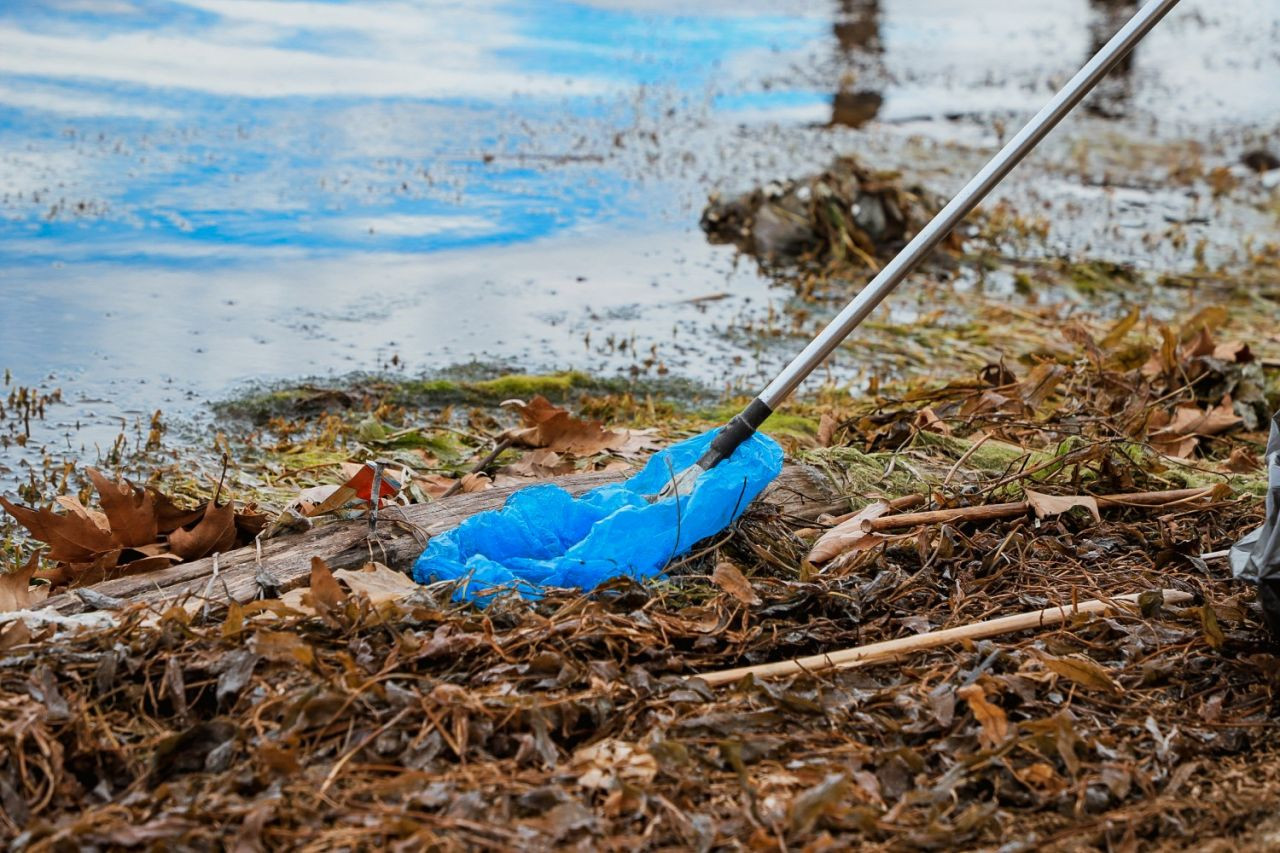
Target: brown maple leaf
(130, 510)
(547, 425)
(16, 592)
(214, 532)
(71, 538)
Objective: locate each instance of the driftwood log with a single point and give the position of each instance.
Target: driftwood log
(285, 562)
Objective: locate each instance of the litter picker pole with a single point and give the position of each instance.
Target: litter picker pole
(743, 425)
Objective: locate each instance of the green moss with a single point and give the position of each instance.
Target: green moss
(798, 426)
(308, 457)
(418, 388)
(525, 385)
(857, 474)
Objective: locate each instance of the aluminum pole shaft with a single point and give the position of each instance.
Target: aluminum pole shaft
(949, 217)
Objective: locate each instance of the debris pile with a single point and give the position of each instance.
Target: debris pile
(846, 215)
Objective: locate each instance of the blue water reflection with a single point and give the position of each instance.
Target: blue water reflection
(165, 130)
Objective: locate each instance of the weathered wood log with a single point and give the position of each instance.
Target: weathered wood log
(403, 531)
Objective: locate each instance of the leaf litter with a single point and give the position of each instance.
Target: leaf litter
(365, 710)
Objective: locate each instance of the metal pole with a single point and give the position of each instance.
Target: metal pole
(964, 202)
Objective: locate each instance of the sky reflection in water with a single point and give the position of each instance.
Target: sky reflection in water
(140, 128)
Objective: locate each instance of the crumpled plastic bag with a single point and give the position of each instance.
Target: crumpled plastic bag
(543, 536)
(1256, 557)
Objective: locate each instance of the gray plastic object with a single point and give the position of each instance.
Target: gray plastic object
(1256, 557)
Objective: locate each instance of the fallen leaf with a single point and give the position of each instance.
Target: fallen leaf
(326, 595)
(927, 419)
(434, 485)
(848, 535)
(1242, 461)
(638, 443)
(552, 427)
(72, 504)
(1041, 777)
(71, 538)
(827, 426)
(282, 647)
(1176, 446)
(1192, 420)
(1201, 344)
(1117, 333)
(215, 532)
(170, 516)
(599, 764)
(1233, 351)
(130, 511)
(1178, 434)
(808, 806)
(377, 582)
(1083, 671)
(540, 463)
(16, 591)
(995, 725)
(1046, 505)
(1212, 630)
(728, 577)
(476, 481)
(1040, 382)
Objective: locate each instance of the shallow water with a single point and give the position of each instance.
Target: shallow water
(199, 194)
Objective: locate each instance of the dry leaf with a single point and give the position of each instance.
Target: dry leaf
(1040, 382)
(326, 595)
(377, 582)
(71, 538)
(638, 443)
(1176, 446)
(1083, 671)
(130, 511)
(16, 592)
(728, 577)
(1177, 435)
(552, 427)
(1117, 333)
(1233, 351)
(215, 532)
(476, 481)
(995, 725)
(927, 419)
(72, 504)
(540, 463)
(598, 764)
(1046, 505)
(848, 535)
(827, 426)
(434, 485)
(1041, 777)
(1242, 461)
(282, 647)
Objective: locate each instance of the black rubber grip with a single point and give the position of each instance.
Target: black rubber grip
(739, 429)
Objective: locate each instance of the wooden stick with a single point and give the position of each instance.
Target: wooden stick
(895, 505)
(479, 466)
(888, 650)
(991, 512)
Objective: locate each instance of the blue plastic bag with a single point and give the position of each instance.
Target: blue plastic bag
(543, 536)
